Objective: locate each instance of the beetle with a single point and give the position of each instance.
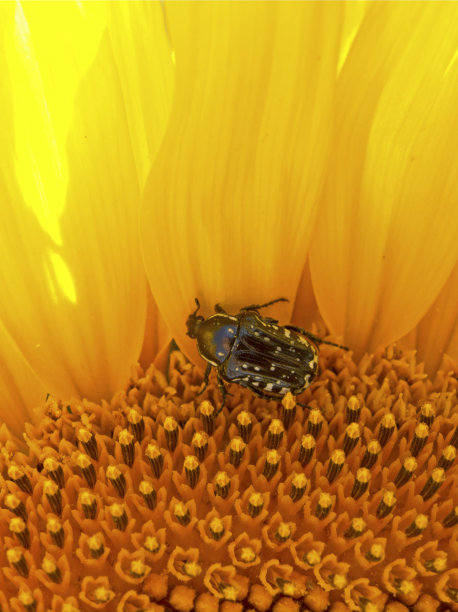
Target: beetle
(255, 351)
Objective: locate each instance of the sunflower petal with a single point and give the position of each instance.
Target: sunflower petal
(143, 55)
(230, 202)
(437, 332)
(386, 238)
(70, 262)
(20, 386)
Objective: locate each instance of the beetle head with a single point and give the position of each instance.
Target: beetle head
(194, 321)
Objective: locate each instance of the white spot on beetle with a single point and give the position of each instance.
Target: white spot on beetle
(283, 391)
(269, 386)
(255, 384)
(220, 354)
(278, 349)
(272, 368)
(246, 378)
(231, 330)
(287, 333)
(257, 368)
(244, 366)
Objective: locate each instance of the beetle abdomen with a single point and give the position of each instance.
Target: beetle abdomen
(270, 358)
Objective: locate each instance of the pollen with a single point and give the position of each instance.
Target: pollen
(96, 545)
(342, 499)
(151, 544)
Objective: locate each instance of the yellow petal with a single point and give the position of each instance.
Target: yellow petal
(71, 273)
(353, 16)
(156, 337)
(306, 313)
(20, 387)
(229, 205)
(385, 240)
(437, 333)
(143, 54)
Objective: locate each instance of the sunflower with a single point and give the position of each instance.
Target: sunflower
(236, 152)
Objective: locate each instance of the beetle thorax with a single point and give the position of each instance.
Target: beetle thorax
(216, 336)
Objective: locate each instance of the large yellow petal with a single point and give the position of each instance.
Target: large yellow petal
(20, 386)
(386, 237)
(73, 287)
(157, 336)
(306, 313)
(353, 16)
(143, 54)
(229, 205)
(437, 333)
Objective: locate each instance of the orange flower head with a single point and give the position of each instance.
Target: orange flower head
(344, 500)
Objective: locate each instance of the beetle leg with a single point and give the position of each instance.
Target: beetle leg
(206, 377)
(314, 338)
(303, 405)
(265, 396)
(224, 392)
(297, 392)
(276, 399)
(262, 395)
(259, 306)
(219, 309)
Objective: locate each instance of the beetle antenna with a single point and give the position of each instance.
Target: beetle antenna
(198, 306)
(334, 344)
(316, 339)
